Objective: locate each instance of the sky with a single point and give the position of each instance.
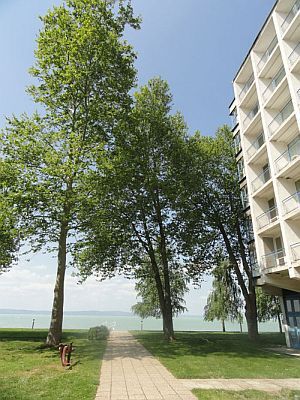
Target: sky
(196, 45)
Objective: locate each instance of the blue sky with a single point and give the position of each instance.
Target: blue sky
(196, 45)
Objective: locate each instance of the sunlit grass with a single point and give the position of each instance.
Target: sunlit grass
(221, 355)
(29, 372)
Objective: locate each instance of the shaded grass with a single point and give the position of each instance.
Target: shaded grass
(221, 355)
(28, 371)
(245, 395)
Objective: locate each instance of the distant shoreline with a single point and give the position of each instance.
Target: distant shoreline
(5, 311)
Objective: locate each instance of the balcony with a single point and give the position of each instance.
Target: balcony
(294, 59)
(267, 218)
(250, 116)
(295, 249)
(246, 87)
(273, 85)
(261, 180)
(267, 54)
(281, 117)
(288, 157)
(256, 145)
(274, 260)
(289, 18)
(291, 206)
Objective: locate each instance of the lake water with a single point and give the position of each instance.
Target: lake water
(120, 323)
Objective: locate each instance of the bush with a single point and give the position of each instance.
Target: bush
(98, 332)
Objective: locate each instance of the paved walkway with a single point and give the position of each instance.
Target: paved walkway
(130, 372)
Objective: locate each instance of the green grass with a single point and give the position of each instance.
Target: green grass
(245, 395)
(30, 372)
(221, 355)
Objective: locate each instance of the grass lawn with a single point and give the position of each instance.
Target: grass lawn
(245, 395)
(29, 372)
(221, 355)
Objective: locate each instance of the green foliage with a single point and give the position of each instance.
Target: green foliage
(145, 288)
(224, 302)
(98, 333)
(135, 199)
(268, 307)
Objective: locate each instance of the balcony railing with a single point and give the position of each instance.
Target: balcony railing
(281, 117)
(274, 84)
(291, 203)
(295, 54)
(295, 251)
(246, 87)
(249, 117)
(290, 16)
(288, 156)
(267, 53)
(273, 260)
(267, 217)
(263, 178)
(258, 142)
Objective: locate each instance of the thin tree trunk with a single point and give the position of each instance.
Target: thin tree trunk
(241, 327)
(169, 328)
(55, 330)
(279, 322)
(223, 326)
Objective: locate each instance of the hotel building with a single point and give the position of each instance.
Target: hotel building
(266, 115)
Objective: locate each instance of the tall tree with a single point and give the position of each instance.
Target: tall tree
(83, 73)
(212, 213)
(224, 302)
(139, 220)
(268, 307)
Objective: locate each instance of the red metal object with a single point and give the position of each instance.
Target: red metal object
(65, 351)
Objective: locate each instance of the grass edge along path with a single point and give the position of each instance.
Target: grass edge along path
(208, 355)
(204, 394)
(30, 372)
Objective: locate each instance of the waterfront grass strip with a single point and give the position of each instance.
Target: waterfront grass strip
(221, 355)
(30, 372)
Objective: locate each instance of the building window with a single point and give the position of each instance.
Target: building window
(241, 168)
(237, 143)
(244, 196)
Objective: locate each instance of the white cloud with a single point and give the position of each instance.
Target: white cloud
(30, 286)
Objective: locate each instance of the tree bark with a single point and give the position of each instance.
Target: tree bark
(55, 330)
(279, 322)
(251, 316)
(223, 326)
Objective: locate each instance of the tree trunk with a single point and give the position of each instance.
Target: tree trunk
(223, 326)
(251, 316)
(279, 322)
(55, 330)
(241, 327)
(168, 324)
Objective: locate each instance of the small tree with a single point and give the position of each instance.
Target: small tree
(146, 290)
(224, 302)
(268, 307)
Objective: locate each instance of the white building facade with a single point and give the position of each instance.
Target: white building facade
(266, 132)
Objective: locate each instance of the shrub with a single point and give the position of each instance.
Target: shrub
(98, 332)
